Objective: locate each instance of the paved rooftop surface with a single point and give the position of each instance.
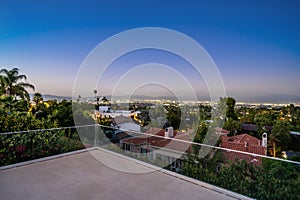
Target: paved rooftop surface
(81, 176)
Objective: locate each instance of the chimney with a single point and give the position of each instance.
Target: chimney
(169, 132)
(264, 140)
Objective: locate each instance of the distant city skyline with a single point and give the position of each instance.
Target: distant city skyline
(255, 45)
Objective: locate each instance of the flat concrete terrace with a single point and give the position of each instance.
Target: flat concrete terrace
(80, 176)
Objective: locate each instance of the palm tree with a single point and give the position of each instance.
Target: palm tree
(37, 98)
(11, 82)
(79, 98)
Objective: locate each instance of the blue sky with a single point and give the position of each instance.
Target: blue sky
(255, 44)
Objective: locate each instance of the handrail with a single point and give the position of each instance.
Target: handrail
(152, 135)
(210, 146)
(50, 129)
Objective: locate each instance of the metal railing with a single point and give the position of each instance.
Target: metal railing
(27, 145)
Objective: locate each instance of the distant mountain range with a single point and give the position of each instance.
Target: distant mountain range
(47, 97)
(271, 99)
(253, 99)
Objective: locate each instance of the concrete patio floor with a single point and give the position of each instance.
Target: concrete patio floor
(81, 176)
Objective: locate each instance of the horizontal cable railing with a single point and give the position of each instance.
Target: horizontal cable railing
(50, 129)
(151, 135)
(202, 145)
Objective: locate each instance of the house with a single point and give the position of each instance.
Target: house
(125, 123)
(249, 127)
(245, 143)
(162, 145)
(104, 108)
(122, 127)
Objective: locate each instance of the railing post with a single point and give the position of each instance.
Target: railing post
(95, 135)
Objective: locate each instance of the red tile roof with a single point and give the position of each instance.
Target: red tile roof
(245, 143)
(159, 141)
(242, 138)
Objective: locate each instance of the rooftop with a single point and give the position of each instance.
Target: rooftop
(122, 119)
(242, 138)
(79, 175)
(158, 140)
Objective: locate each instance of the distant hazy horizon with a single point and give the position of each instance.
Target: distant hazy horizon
(275, 99)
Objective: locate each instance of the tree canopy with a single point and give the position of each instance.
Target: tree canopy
(14, 84)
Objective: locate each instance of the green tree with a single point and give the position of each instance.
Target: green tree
(9, 104)
(247, 119)
(37, 98)
(2, 86)
(199, 137)
(204, 112)
(13, 83)
(230, 112)
(218, 113)
(174, 116)
(63, 114)
(81, 114)
(273, 180)
(233, 126)
(280, 137)
(262, 121)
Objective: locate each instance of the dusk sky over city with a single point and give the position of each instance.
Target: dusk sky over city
(255, 44)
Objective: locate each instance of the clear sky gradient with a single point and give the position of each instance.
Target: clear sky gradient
(255, 44)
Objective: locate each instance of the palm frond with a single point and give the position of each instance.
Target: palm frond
(10, 83)
(26, 85)
(20, 77)
(21, 92)
(3, 71)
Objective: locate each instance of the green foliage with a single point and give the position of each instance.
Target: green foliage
(247, 119)
(280, 135)
(262, 121)
(15, 116)
(278, 180)
(12, 84)
(16, 121)
(272, 180)
(21, 147)
(199, 137)
(106, 121)
(37, 98)
(230, 112)
(40, 111)
(204, 169)
(63, 114)
(233, 126)
(204, 112)
(174, 115)
(8, 104)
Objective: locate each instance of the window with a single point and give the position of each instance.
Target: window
(143, 151)
(127, 147)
